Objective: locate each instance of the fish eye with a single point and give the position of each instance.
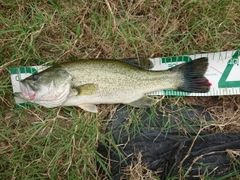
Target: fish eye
(35, 77)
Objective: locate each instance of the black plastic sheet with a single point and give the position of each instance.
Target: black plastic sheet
(178, 148)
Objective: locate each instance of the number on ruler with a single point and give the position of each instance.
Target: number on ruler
(223, 83)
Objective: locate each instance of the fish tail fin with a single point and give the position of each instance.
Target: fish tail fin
(193, 76)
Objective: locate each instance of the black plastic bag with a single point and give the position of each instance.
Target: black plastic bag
(193, 154)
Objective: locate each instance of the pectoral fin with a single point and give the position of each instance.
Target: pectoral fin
(86, 89)
(144, 102)
(89, 107)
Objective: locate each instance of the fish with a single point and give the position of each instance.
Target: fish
(88, 82)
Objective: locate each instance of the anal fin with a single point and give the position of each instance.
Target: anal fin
(144, 102)
(89, 107)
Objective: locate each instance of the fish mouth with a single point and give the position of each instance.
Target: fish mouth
(27, 92)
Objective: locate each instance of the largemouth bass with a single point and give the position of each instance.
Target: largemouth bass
(85, 83)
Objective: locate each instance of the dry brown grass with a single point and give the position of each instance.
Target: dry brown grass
(138, 170)
(224, 111)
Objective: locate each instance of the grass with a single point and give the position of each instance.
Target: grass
(61, 143)
(49, 146)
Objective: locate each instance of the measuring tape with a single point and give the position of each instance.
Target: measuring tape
(223, 72)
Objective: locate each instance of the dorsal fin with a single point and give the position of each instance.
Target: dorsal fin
(143, 63)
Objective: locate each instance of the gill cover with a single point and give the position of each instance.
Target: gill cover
(49, 88)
